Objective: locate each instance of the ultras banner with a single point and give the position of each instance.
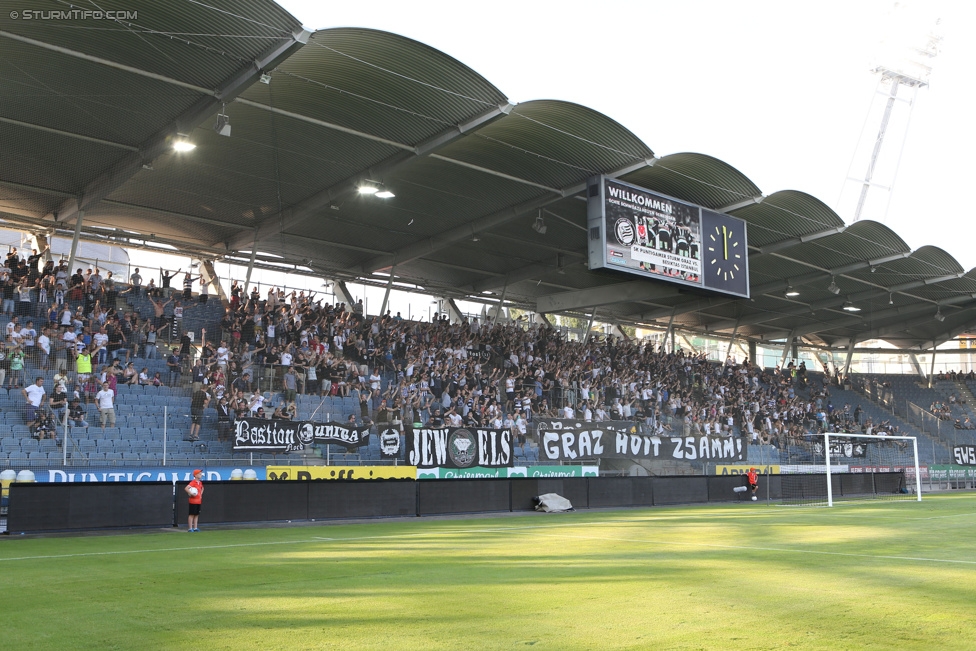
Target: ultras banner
(287, 436)
(458, 447)
(569, 440)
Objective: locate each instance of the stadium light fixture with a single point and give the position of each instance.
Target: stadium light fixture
(790, 292)
(540, 225)
(376, 189)
(891, 299)
(850, 307)
(833, 288)
(183, 144)
(939, 316)
(222, 125)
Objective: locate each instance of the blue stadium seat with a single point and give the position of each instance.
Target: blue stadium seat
(30, 445)
(18, 458)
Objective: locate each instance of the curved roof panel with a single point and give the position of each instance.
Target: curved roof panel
(550, 143)
(377, 83)
(787, 214)
(697, 178)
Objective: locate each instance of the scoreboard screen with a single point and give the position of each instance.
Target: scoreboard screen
(651, 235)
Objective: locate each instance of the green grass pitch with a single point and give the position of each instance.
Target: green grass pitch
(883, 575)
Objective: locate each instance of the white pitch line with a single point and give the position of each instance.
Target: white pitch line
(445, 532)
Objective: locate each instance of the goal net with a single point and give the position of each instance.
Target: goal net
(835, 467)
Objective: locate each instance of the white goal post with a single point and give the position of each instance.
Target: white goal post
(824, 468)
(871, 438)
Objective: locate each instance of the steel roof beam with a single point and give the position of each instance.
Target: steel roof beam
(200, 110)
(429, 245)
(893, 313)
(296, 215)
(779, 285)
(795, 241)
(69, 134)
(751, 201)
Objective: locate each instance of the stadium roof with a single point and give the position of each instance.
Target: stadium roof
(88, 118)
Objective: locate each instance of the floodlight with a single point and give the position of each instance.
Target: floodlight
(540, 225)
(222, 125)
(368, 188)
(183, 145)
(790, 292)
(939, 316)
(850, 307)
(385, 194)
(833, 288)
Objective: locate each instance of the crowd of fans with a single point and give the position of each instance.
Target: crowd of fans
(437, 374)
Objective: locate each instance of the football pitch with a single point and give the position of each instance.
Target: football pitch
(736, 576)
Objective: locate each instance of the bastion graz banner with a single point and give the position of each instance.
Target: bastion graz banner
(459, 447)
(262, 435)
(569, 440)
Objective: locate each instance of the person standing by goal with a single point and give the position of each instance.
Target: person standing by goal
(752, 482)
(195, 500)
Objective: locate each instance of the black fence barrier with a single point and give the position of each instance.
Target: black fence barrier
(71, 506)
(101, 505)
(337, 499)
(463, 496)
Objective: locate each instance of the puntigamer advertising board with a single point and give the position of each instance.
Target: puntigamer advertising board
(651, 235)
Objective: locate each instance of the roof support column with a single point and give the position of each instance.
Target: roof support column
(453, 310)
(850, 356)
(250, 267)
(501, 302)
(620, 331)
(916, 365)
(342, 293)
(589, 328)
(74, 241)
(786, 348)
(669, 333)
(932, 369)
(386, 294)
(728, 351)
(213, 279)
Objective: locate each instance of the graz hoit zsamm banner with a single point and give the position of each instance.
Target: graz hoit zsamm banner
(459, 447)
(568, 440)
(287, 436)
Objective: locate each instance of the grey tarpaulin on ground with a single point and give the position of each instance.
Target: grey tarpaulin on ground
(552, 503)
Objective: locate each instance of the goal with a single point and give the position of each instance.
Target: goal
(838, 467)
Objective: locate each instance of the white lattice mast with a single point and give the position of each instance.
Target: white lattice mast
(910, 44)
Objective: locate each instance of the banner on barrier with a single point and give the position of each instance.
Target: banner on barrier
(843, 448)
(173, 474)
(390, 444)
(909, 471)
(478, 472)
(561, 471)
(258, 434)
(475, 472)
(743, 469)
(569, 440)
(947, 472)
(459, 447)
(307, 473)
(965, 455)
